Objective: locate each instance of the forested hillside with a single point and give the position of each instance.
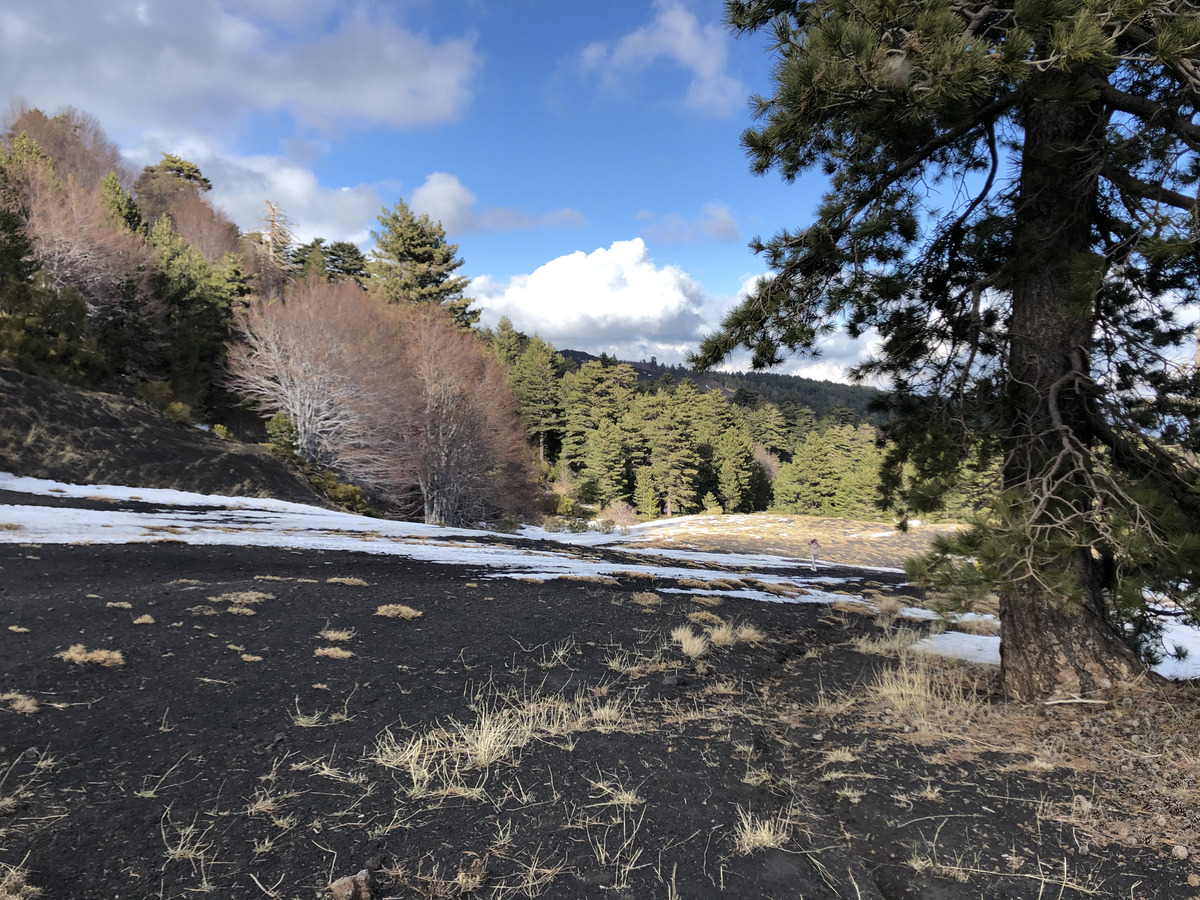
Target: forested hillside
(371, 372)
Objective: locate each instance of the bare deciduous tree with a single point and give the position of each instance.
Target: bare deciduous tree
(78, 246)
(396, 398)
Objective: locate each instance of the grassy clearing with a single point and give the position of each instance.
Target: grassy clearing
(80, 655)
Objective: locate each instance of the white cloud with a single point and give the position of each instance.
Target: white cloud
(448, 200)
(185, 65)
(614, 300)
(676, 35)
(241, 185)
(716, 222)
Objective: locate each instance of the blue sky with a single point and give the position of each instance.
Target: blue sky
(584, 156)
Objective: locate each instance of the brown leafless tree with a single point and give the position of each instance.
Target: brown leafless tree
(204, 226)
(74, 141)
(78, 246)
(396, 398)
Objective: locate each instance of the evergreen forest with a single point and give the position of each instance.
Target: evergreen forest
(134, 281)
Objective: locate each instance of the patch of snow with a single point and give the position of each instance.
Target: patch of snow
(973, 648)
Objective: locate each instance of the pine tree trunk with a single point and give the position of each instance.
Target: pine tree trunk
(1053, 645)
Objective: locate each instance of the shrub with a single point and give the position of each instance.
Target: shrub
(222, 432)
(555, 524)
(281, 434)
(622, 514)
(178, 411)
(605, 526)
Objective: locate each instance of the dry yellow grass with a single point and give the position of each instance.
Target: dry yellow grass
(889, 606)
(748, 634)
(118, 604)
(647, 598)
(337, 635)
(18, 629)
(398, 611)
(693, 645)
(250, 657)
(704, 617)
(722, 635)
(14, 886)
(707, 600)
(333, 652)
(241, 611)
(242, 598)
(21, 703)
(347, 580)
(752, 833)
(146, 619)
(976, 626)
(79, 655)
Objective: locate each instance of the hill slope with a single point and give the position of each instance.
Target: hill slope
(50, 430)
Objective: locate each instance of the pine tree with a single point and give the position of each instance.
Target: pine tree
(535, 384)
(413, 263)
(1039, 318)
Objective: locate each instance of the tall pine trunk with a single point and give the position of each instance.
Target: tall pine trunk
(1053, 644)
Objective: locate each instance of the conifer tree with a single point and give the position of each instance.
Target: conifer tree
(412, 262)
(535, 384)
(1040, 317)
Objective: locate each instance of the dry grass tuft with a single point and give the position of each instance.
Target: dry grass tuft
(337, 635)
(976, 625)
(347, 580)
(647, 598)
(889, 606)
(21, 703)
(893, 641)
(752, 833)
(333, 652)
(119, 604)
(398, 611)
(79, 655)
(14, 884)
(722, 635)
(748, 634)
(250, 657)
(242, 598)
(146, 619)
(707, 600)
(693, 645)
(18, 629)
(703, 617)
(241, 611)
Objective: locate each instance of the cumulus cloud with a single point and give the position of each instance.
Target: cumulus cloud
(222, 61)
(715, 223)
(612, 300)
(448, 200)
(676, 35)
(242, 184)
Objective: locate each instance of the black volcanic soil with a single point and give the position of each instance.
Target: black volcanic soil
(225, 756)
(50, 430)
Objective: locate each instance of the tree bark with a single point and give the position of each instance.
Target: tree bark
(1053, 644)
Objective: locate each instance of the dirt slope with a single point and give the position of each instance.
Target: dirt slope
(50, 430)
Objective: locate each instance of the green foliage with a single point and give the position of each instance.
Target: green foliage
(1035, 324)
(122, 209)
(349, 497)
(160, 187)
(223, 433)
(413, 263)
(44, 332)
(283, 436)
(199, 299)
